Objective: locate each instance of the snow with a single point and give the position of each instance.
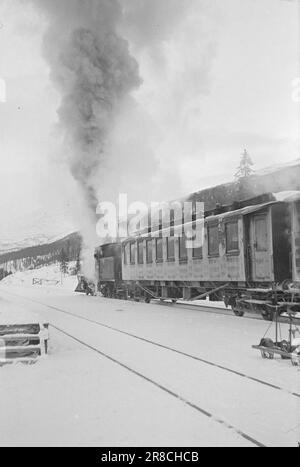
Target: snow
(276, 167)
(20, 230)
(50, 276)
(78, 397)
(15, 315)
(82, 400)
(7, 245)
(287, 196)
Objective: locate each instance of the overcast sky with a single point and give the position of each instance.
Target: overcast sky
(216, 80)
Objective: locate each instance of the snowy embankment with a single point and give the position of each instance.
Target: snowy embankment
(83, 398)
(15, 315)
(45, 277)
(51, 277)
(77, 396)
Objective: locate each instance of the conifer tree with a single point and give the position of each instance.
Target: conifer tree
(64, 262)
(78, 265)
(245, 168)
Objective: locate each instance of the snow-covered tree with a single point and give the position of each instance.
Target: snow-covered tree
(78, 265)
(64, 262)
(245, 168)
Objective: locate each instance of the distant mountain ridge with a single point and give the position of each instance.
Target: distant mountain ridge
(40, 255)
(285, 177)
(40, 250)
(7, 246)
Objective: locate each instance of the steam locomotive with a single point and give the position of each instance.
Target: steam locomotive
(250, 259)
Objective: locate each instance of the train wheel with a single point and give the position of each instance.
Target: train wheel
(238, 312)
(296, 361)
(109, 293)
(286, 284)
(267, 316)
(267, 355)
(285, 348)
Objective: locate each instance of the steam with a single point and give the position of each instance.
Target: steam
(92, 68)
(97, 73)
(119, 136)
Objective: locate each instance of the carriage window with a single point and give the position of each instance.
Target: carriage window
(198, 240)
(232, 237)
(182, 248)
(149, 251)
(171, 248)
(261, 234)
(159, 250)
(125, 251)
(132, 253)
(213, 240)
(140, 247)
(198, 253)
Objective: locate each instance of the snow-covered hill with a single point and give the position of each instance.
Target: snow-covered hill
(42, 255)
(47, 277)
(277, 167)
(36, 230)
(7, 245)
(20, 229)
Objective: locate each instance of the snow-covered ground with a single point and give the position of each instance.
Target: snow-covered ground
(50, 276)
(16, 314)
(78, 397)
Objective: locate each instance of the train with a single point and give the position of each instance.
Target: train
(249, 259)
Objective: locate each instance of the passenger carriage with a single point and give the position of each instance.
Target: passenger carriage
(249, 257)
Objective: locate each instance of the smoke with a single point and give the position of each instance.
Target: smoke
(94, 72)
(120, 136)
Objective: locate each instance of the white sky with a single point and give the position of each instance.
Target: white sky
(251, 49)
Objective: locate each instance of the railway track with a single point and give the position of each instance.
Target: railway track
(220, 311)
(160, 345)
(163, 388)
(201, 408)
(211, 310)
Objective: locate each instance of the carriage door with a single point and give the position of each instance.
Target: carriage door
(260, 253)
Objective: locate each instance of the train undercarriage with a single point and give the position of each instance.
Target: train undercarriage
(264, 299)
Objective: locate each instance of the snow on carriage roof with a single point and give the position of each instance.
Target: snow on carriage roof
(213, 218)
(284, 196)
(287, 196)
(277, 167)
(240, 212)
